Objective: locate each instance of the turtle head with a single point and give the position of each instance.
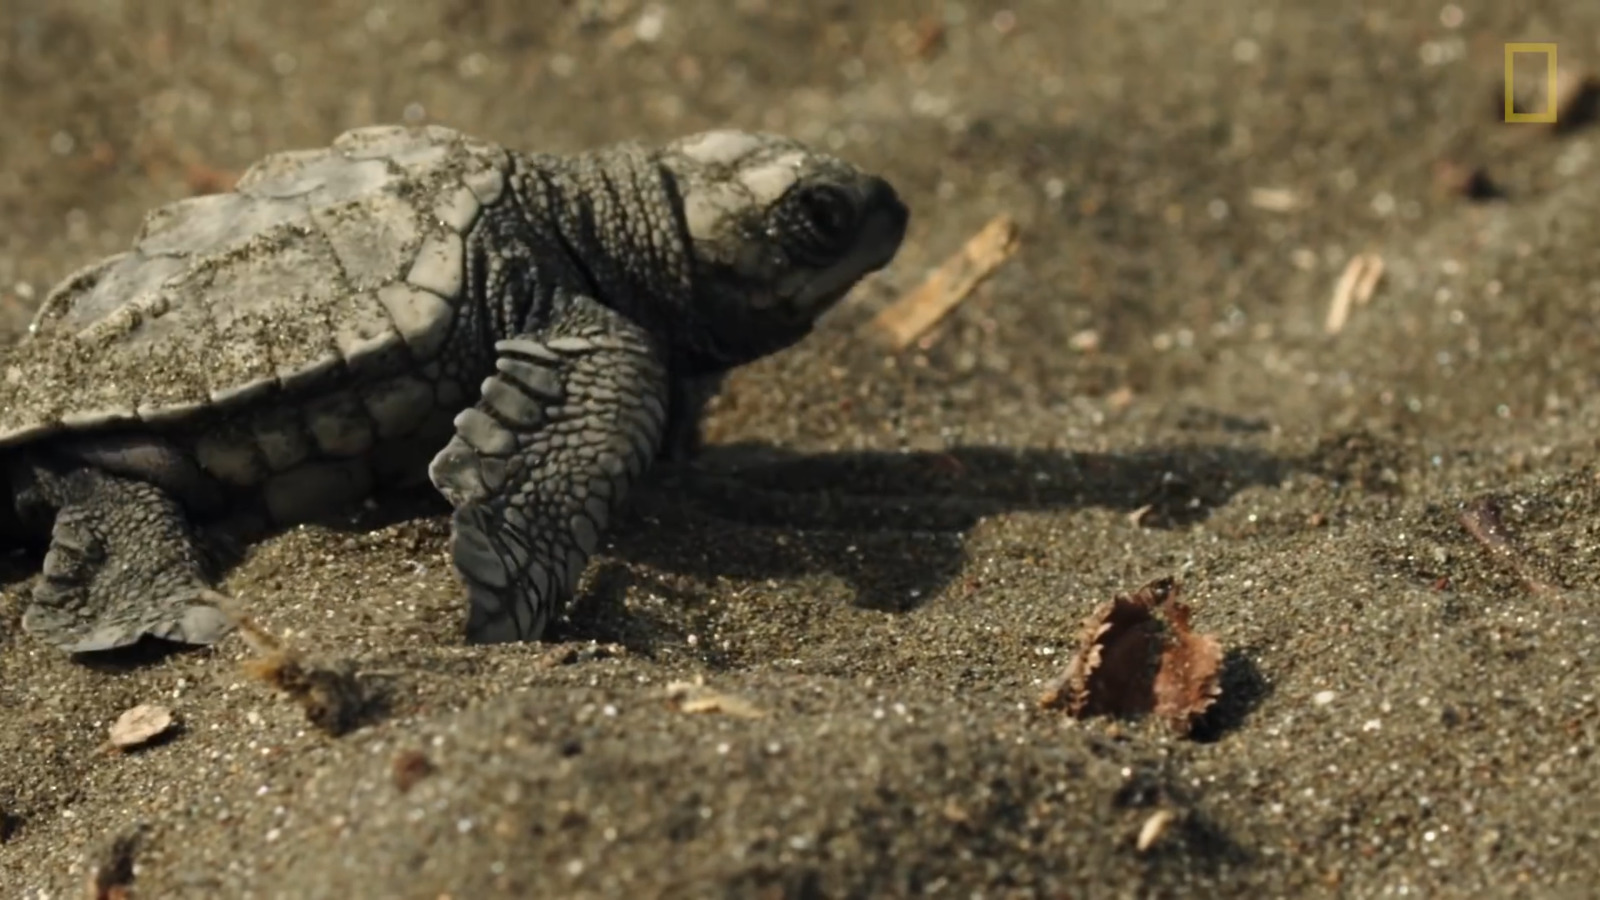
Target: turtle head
(777, 233)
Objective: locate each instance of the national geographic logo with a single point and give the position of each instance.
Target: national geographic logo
(1551, 96)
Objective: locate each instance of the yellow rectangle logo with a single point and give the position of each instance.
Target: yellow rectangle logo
(1549, 114)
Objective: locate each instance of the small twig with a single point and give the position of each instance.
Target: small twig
(920, 309)
(1153, 828)
(1355, 287)
(1481, 519)
(1274, 199)
(1367, 284)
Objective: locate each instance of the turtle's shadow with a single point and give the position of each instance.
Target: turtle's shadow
(892, 525)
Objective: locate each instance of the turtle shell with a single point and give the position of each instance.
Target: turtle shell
(339, 263)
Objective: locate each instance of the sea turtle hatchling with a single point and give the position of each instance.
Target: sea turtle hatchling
(541, 327)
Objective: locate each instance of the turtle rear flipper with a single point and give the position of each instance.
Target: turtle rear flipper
(123, 564)
(538, 467)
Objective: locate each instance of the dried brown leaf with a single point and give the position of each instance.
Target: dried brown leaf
(1128, 664)
(330, 694)
(1117, 646)
(1117, 678)
(1190, 677)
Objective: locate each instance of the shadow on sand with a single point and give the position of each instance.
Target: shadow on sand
(892, 525)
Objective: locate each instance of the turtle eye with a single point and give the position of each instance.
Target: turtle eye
(820, 221)
(829, 213)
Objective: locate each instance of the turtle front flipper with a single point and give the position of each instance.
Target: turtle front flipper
(570, 419)
(123, 564)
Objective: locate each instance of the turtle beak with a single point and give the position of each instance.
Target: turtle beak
(886, 223)
(882, 230)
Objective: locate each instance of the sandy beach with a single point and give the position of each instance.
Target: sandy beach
(1294, 317)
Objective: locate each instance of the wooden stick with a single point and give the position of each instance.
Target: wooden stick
(1356, 284)
(920, 309)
